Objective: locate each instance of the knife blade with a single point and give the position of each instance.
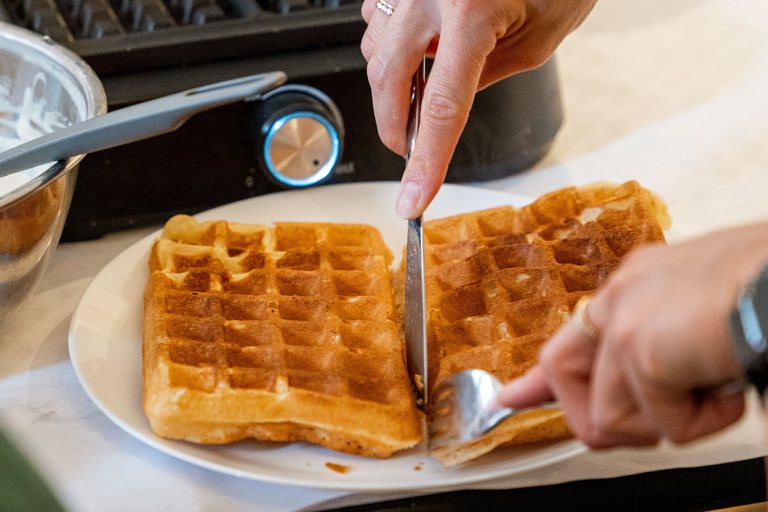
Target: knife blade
(415, 301)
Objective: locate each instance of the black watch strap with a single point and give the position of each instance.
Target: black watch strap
(749, 327)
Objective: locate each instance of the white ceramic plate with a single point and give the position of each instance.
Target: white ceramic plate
(105, 348)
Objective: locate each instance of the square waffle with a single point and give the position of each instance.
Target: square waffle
(284, 333)
(500, 282)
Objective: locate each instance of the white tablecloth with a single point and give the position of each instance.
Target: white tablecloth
(671, 93)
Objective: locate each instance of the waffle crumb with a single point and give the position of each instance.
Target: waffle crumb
(339, 468)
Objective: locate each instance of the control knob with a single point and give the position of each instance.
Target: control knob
(296, 135)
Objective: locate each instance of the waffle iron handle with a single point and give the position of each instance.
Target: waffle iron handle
(134, 123)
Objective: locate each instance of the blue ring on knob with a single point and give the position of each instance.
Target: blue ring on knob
(324, 171)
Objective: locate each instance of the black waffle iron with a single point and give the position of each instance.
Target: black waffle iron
(143, 49)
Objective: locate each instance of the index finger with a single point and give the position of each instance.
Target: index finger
(527, 391)
(393, 57)
(448, 98)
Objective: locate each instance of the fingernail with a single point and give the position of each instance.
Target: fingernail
(407, 199)
(732, 388)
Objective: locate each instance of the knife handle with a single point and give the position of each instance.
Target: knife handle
(414, 115)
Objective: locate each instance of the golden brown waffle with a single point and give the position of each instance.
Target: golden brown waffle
(499, 282)
(282, 333)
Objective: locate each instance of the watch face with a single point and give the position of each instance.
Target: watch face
(760, 302)
(750, 322)
(749, 325)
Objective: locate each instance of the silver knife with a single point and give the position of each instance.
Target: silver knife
(415, 306)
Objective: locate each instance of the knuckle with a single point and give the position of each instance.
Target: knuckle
(652, 370)
(616, 285)
(677, 435)
(387, 120)
(633, 258)
(680, 429)
(556, 363)
(530, 56)
(622, 335)
(548, 356)
(635, 262)
(389, 139)
(594, 438)
(583, 430)
(445, 107)
(376, 71)
(630, 339)
(392, 137)
(537, 58)
(623, 338)
(602, 425)
(367, 45)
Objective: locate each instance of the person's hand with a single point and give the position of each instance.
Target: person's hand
(661, 362)
(474, 44)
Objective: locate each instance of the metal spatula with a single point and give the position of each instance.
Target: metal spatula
(133, 123)
(463, 408)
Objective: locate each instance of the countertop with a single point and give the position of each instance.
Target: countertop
(672, 93)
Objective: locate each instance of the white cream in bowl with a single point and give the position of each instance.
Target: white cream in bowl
(22, 123)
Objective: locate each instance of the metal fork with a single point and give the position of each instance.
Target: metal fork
(463, 408)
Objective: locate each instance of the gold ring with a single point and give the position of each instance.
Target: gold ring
(582, 319)
(385, 7)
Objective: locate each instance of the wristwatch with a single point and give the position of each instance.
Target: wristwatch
(749, 327)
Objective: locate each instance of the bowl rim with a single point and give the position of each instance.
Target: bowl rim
(82, 74)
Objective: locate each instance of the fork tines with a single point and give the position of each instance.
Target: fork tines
(444, 415)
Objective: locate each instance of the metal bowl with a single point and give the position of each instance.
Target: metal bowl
(43, 86)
